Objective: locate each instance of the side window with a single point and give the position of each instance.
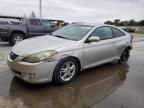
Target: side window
(117, 33)
(35, 22)
(103, 33)
(45, 23)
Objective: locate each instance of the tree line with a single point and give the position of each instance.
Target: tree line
(118, 22)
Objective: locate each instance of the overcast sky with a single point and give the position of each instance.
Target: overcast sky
(96, 11)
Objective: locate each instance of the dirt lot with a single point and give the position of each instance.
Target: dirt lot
(137, 37)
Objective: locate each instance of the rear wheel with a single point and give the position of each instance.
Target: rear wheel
(124, 56)
(65, 71)
(16, 37)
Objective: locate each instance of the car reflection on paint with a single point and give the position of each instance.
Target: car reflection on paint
(89, 89)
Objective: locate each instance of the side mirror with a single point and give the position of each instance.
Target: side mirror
(93, 39)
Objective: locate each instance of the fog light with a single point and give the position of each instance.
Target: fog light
(31, 75)
(28, 76)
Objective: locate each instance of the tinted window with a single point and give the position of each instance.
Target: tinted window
(35, 22)
(103, 33)
(45, 23)
(117, 33)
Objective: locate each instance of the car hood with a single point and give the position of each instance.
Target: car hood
(38, 44)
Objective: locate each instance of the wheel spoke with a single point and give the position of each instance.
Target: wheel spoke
(69, 75)
(63, 70)
(72, 67)
(64, 76)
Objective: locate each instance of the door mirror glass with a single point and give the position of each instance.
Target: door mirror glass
(93, 39)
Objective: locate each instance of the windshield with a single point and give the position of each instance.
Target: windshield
(73, 32)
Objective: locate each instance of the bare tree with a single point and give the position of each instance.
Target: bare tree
(33, 15)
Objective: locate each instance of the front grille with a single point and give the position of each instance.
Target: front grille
(13, 56)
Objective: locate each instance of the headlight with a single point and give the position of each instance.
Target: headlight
(38, 57)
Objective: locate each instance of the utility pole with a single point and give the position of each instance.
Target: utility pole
(40, 8)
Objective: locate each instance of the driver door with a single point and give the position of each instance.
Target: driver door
(103, 51)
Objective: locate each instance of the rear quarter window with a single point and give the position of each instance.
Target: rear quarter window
(117, 33)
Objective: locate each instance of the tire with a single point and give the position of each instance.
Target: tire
(16, 37)
(124, 56)
(64, 74)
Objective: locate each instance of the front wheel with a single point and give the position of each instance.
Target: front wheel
(16, 37)
(65, 71)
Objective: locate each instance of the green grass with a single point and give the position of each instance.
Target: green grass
(140, 30)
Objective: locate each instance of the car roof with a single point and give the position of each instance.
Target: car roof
(93, 24)
(100, 25)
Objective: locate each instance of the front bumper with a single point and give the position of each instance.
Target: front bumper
(32, 73)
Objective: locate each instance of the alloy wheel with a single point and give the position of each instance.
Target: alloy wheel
(17, 39)
(67, 71)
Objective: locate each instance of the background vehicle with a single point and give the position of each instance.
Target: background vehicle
(14, 32)
(129, 30)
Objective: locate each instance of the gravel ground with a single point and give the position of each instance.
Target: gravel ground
(4, 49)
(137, 37)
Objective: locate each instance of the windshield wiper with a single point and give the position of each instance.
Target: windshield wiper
(60, 36)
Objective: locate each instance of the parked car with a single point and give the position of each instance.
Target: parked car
(129, 30)
(67, 51)
(14, 32)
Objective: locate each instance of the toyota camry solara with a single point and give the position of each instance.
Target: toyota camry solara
(60, 56)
